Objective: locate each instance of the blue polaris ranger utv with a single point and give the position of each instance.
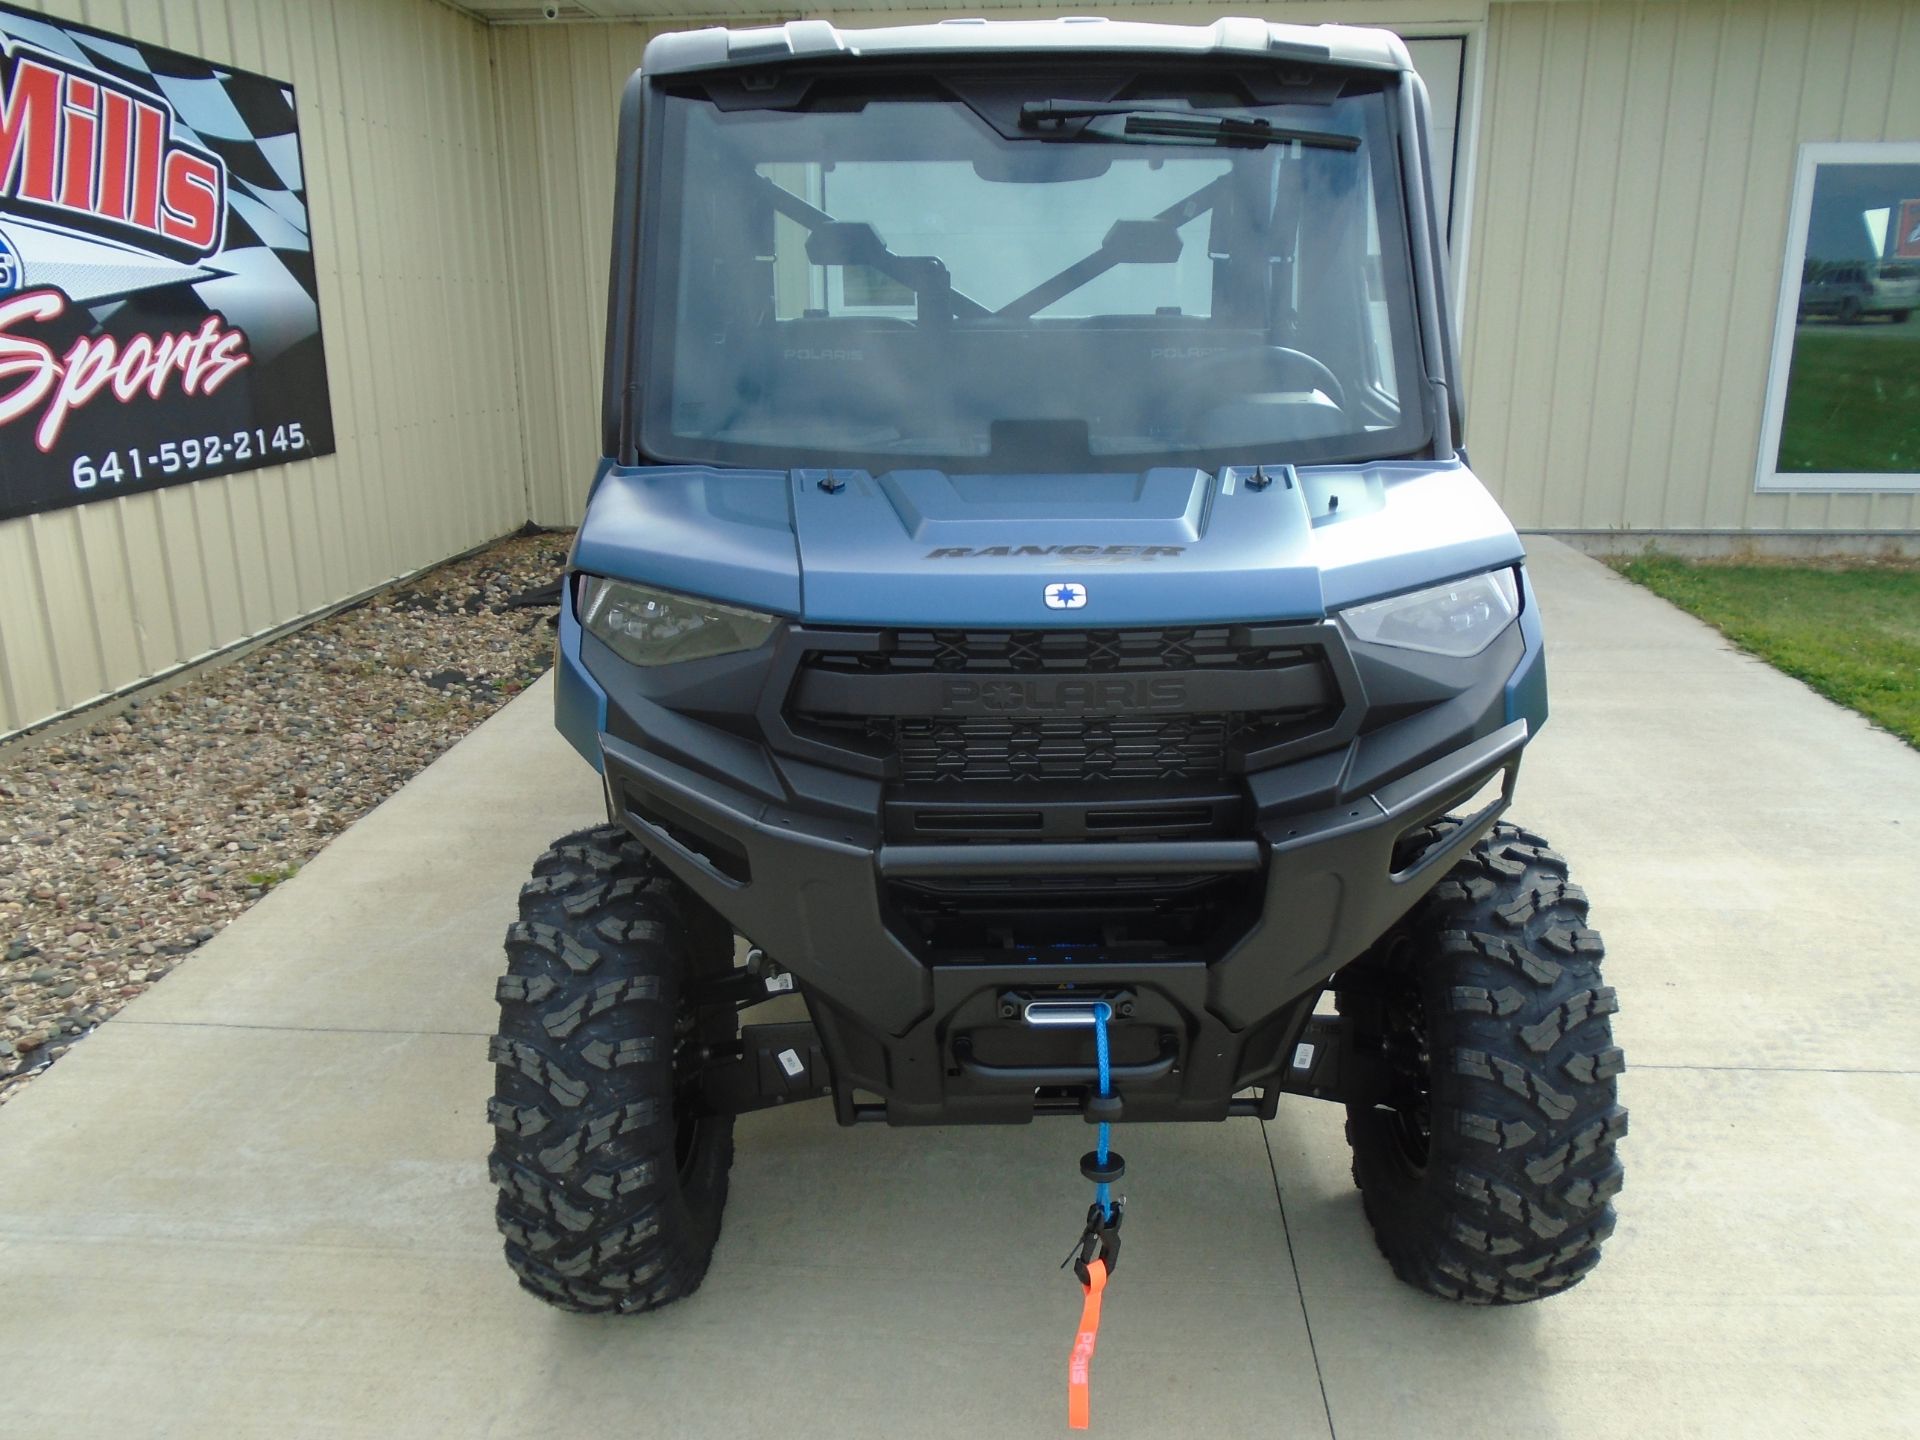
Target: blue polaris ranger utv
(1035, 607)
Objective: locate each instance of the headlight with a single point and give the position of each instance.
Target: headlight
(1460, 618)
(654, 627)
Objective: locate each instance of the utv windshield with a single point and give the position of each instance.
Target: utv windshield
(999, 278)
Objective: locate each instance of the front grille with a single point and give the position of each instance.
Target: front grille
(1008, 707)
(1160, 747)
(1073, 918)
(1047, 652)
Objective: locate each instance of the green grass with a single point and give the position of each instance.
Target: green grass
(1851, 632)
(1852, 398)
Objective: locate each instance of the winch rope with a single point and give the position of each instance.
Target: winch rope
(1103, 1192)
(1098, 1250)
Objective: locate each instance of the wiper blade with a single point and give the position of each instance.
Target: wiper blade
(1117, 122)
(1232, 130)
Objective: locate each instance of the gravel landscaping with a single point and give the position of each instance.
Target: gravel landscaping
(129, 842)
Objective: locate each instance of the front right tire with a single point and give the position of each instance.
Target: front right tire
(1490, 1179)
(611, 1177)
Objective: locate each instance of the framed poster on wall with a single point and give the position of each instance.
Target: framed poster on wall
(159, 317)
(1843, 394)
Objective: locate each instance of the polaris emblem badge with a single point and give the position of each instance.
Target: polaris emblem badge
(1066, 597)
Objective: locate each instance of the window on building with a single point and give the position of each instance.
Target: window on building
(1843, 400)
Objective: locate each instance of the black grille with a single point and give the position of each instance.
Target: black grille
(1047, 652)
(1069, 918)
(1159, 747)
(1052, 735)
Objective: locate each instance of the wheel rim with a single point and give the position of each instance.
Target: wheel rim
(689, 1055)
(1410, 1061)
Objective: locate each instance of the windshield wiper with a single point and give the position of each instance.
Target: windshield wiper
(1120, 123)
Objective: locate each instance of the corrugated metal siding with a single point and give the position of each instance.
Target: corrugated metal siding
(559, 99)
(404, 183)
(1633, 187)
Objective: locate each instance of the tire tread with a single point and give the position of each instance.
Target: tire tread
(1516, 1198)
(597, 1214)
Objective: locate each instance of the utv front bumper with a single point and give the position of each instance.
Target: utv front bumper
(950, 1042)
(926, 876)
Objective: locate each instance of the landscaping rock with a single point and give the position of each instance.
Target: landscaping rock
(137, 838)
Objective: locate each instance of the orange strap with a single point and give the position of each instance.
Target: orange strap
(1078, 1363)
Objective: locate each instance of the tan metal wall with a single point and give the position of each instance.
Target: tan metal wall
(558, 90)
(405, 187)
(1629, 223)
(1636, 167)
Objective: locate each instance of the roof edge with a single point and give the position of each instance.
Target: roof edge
(719, 48)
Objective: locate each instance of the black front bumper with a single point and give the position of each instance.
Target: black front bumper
(945, 1039)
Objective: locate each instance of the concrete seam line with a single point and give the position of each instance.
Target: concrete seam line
(1780, 1069)
(1286, 1230)
(292, 1029)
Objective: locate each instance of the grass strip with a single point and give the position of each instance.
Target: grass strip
(1852, 632)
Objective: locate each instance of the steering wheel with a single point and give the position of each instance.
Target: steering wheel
(1234, 373)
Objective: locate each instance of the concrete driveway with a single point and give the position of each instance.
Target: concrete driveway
(255, 1204)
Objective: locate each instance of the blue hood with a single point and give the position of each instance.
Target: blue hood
(1164, 547)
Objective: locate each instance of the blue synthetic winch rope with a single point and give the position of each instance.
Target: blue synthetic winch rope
(1103, 1193)
(1098, 1249)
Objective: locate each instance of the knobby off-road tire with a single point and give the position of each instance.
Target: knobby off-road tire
(1492, 1185)
(610, 1193)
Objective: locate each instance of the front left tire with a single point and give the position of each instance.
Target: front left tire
(1490, 1177)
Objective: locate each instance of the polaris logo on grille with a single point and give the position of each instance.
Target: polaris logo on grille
(1108, 695)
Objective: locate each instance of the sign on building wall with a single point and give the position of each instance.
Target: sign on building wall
(1907, 237)
(159, 318)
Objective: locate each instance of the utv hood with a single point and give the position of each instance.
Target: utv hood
(1161, 547)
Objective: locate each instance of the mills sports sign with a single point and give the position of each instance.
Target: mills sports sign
(159, 320)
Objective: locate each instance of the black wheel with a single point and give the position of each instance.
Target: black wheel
(611, 1180)
(1489, 1179)
(1898, 317)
